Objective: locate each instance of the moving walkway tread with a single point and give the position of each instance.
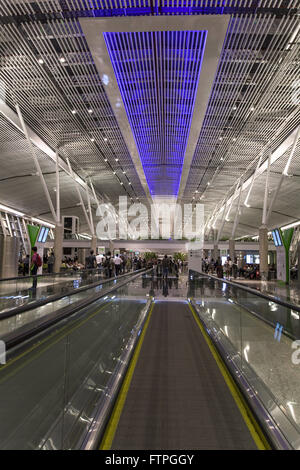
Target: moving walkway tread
(178, 398)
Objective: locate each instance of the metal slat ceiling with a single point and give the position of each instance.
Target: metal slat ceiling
(252, 100)
(157, 74)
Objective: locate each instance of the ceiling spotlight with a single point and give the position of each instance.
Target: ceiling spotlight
(105, 159)
(221, 159)
(129, 182)
(74, 111)
(40, 61)
(220, 138)
(92, 139)
(105, 139)
(90, 110)
(234, 139)
(114, 172)
(252, 108)
(121, 182)
(234, 108)
(124, 172)
(62, 60)
(116, 159)
(208, 184)
(196, 191)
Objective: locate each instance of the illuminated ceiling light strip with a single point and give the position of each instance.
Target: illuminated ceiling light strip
(42, 222)
(83, 235)
(152, 116)
(11, 211)
(294, 224)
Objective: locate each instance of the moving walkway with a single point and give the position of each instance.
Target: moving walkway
(138, 370)
(18, 322)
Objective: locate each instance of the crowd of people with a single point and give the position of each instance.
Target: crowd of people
(168, 265)
(114, 265)
(110, 265)
(231, 268)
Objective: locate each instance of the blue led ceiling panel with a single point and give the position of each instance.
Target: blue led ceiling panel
(158, 74)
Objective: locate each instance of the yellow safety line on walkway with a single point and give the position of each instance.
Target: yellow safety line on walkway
(47, 347)
(251, 423)
(118, 408)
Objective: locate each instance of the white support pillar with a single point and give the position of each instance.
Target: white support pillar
(246, 203)
(59, 229)
(208, 224)
(264, 216)
(222, 223)
(94, 244)
(27, 236)
(283, 175)
(58, 221)
(80, 197)
(263, 253)
(231, 202)
(37, 165)
(232, 248)
(58, 246)
(94, 237)
(237, 214)
(22, 236)
(2, 225)
(90, 210)
(286, 169)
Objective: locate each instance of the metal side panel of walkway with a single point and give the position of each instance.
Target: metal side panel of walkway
(178, 398)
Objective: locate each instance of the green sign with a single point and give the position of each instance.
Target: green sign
(33, 231)
(287, 236)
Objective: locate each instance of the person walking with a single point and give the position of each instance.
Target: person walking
(165, 265)
(234, 268)
(90, 261)
(36, 263)
(118, 262)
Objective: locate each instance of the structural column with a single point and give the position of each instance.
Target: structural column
(58, 247)
(82, 254)
(111, 246)
(215, 251)
(232, 248)
(9, 252)
(298, 259)
(94, 244)
(263, 253)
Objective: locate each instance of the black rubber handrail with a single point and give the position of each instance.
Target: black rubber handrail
(53, 298)
(254, 291)
(61, 273)
(29, 331)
